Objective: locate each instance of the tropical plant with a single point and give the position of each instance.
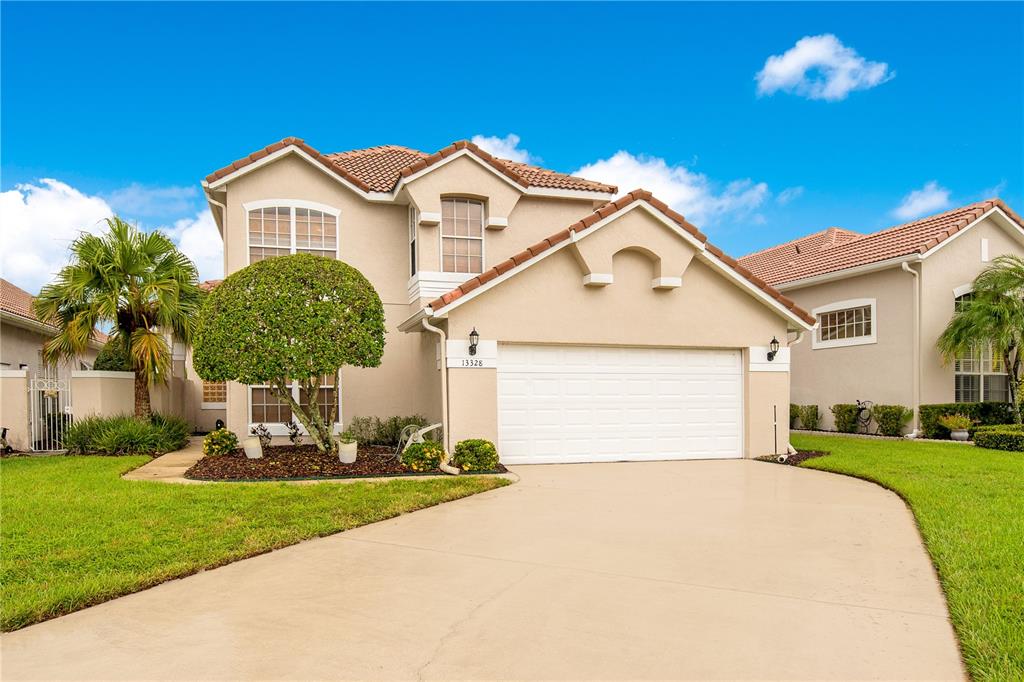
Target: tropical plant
(993, 316)
(956, 422)
(136, 281)
(291, 319)
(126, 435)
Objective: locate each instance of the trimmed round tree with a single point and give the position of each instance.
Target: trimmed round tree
(290, 319)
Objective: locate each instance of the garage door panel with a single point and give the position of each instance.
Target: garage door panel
(580, 403)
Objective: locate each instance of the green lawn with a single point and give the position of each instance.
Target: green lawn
(969, 505)
(74, 534)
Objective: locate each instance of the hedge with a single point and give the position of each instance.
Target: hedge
(846, 417)
(1006, 437)
(891, 418)
(475, 454)
(983, 414)
(809, 416)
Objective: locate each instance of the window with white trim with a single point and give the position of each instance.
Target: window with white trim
(266, 408)
(979, 374)
(414, 217)
(283, 230)
(462, 236)
(845, 323)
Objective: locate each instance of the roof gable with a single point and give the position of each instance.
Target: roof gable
(835, 250)
(16, 301)
(382, 169)
(582, 228)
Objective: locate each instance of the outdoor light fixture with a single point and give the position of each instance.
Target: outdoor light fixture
(474, 338)
(774, 346)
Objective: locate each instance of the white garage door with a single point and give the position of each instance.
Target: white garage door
(596, 404)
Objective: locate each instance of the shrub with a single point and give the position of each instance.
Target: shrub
(891, 418)
(126, 435)
(1009, 437)
(423, 456)
(263, 433)
(846, 417)
(809, 416)
(984, 414)
(475, 454)
(113, 358)
(294, 434)
(794, 414)
(220, 442)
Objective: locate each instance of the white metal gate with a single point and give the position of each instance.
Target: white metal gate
(50, 409)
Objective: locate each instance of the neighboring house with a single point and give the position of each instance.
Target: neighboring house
(883, 299)
(607, 331)
(22, 336)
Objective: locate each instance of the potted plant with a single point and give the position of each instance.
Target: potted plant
(347, 447)
(957, 425)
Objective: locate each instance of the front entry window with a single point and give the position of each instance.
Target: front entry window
(462, 236)
(979, 374)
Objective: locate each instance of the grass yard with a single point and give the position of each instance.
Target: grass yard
(969, 505)
(74, 534)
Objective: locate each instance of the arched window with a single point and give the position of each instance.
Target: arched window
(279, 228)
(979, 374)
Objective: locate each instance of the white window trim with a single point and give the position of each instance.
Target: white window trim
(962, 290)
(817, 344)
(414, 254)
(483, 242)
(279, 429)
(292, 204)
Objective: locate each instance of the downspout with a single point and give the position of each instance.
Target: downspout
(790, 450)
(442, 340)
(917, 345)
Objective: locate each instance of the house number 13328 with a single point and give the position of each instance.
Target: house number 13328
(472, 362)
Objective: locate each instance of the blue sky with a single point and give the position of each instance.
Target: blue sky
(128, 106)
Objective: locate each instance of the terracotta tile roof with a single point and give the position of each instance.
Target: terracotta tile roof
(835, 249)
(378, 169)
(210, 284)
(17, 301)
(598, 215)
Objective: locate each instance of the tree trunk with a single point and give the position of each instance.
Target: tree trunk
(143, 409)
(321, 437)
(1013, 368)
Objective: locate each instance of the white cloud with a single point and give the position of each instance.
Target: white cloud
(789, 194)
(820, 67)
(39, 223)
(690, 193)
(141, 201)
(995, 190)
(199, 239)
(929, 199)
(504, 148)
(41, 220)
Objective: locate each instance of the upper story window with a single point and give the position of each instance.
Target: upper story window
(462, 236)
(413, 221)
(282, 228)
(845, 323)
(978, 374)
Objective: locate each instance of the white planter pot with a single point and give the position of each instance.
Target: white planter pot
(347, 452)
(253, 448)
(958, 434)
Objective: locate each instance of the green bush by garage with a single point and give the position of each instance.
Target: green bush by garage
(1001, 437)
(982, 414)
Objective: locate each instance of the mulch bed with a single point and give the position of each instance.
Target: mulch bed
(303, 462)
(793, 460)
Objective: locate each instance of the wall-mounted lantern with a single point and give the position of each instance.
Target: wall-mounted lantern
(474, 339)
(773, 349)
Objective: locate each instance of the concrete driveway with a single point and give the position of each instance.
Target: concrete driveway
(716, 569)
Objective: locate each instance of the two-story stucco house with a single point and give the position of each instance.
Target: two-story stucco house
(607, 331)
(883, 299)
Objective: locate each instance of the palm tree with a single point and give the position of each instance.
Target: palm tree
(136, 281)
(993, 316)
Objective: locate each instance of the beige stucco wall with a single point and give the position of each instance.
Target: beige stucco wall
(548, 303)
(881, 372)
(102, 394)
(373, 237)
(20, 346)
(14, 407)
(954, 264)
